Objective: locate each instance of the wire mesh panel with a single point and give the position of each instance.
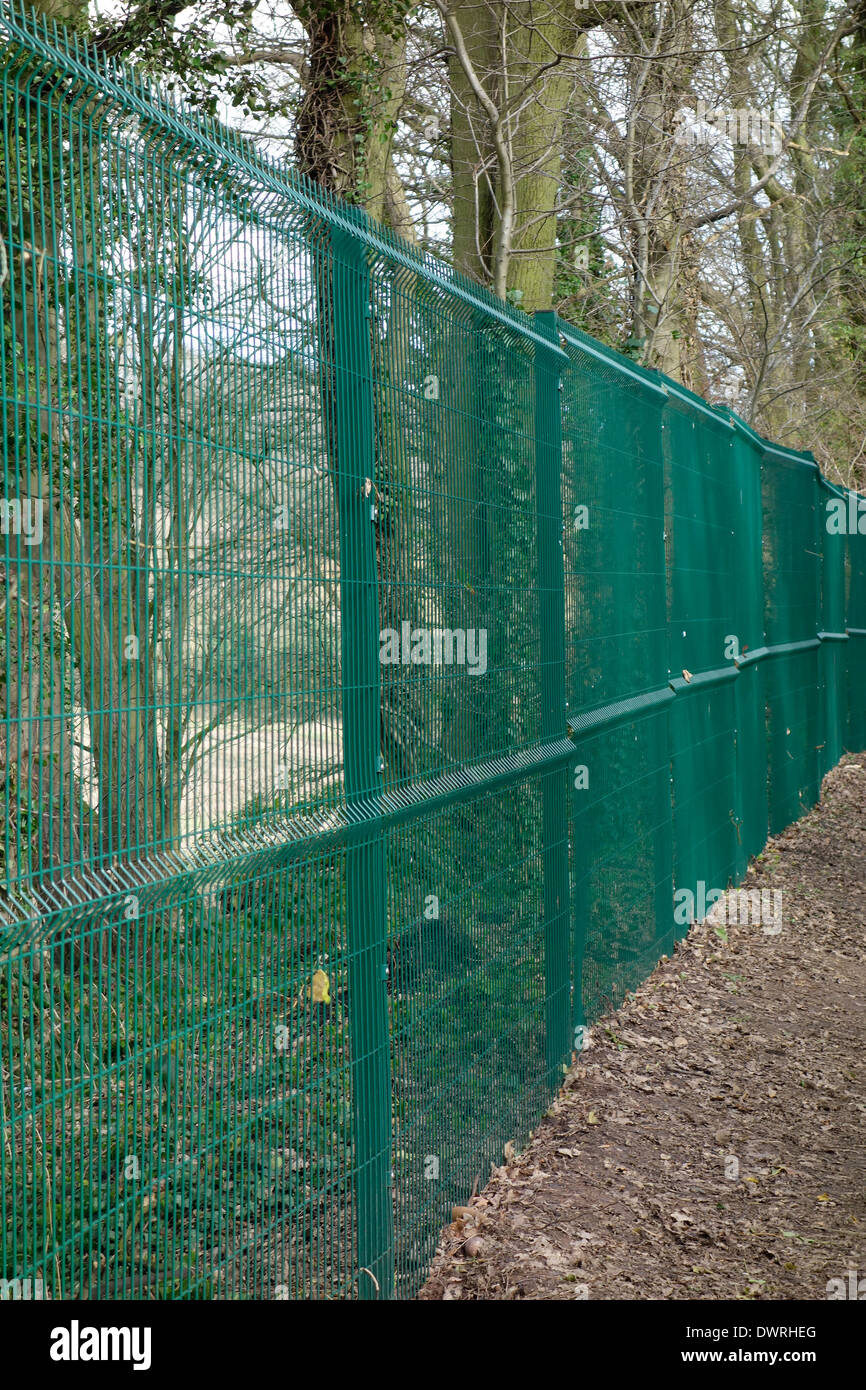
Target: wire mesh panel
(855, 608)
(617, 673)
(468, 680)
(832, 517)
(792, 591)
(177, 1095)
(172, 698)
(454, 496)
(467, 999)
(706, 514)
(750, 818)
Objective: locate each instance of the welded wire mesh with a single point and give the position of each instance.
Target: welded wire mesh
(792, 564)
(381, 669)
(617, 671)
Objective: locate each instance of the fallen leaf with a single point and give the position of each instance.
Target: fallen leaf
(321, 988)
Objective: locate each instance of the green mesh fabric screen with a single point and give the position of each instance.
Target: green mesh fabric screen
(617, 671)
(377, 664)
(792, 594)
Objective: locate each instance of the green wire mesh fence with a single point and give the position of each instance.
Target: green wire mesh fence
(381, 667)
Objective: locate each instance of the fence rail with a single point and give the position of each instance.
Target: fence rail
(386, 675)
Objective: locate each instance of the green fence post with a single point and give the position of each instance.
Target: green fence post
(554, 784)
(353, 433)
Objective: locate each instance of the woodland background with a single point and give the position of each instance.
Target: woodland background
(553, 151)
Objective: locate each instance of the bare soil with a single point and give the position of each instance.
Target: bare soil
(708, 1143)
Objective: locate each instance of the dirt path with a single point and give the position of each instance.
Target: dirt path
(710, 1142)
